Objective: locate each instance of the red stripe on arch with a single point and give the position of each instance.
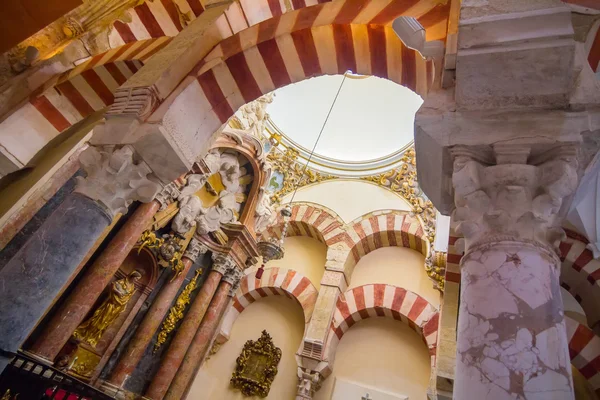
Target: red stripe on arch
(274, 61)
(125, 32)
(436, 15)
(196, 7)
(307, 52)
(344, 48)
(409, 68)
(275, 7)
(51, 113)
(350, 11)
(149, 21)
(377, 46)
(594, 56)
(393, 11)
(116, 73)
(173, 13)
(215, 96)
(298, 4)
(75, 98)
(94, 80)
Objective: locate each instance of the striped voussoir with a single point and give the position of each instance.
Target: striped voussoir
(274, 282)
(384, 229)
(580, 274)
(309, 220)
(89, 87)
(584, 350)
(164, 17)
(380, 300)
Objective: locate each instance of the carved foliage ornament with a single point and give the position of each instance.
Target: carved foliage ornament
(256, 366)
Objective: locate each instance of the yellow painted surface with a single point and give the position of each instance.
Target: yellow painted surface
(304, 255)
(283, 319)
(396, 266)
(350, 199)
(384, 354)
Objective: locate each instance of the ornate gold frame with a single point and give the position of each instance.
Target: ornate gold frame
(256, 366)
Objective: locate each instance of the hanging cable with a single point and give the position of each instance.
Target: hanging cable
(319, 137)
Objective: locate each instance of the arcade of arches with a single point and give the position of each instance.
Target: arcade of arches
(299, 199)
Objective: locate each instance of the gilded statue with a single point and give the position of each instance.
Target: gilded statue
(121, 291)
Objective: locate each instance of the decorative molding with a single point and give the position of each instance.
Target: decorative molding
(114, 179)
(309, 382)
(256, 366)
(295, 175)
(222, 263)
(176, 312)
(137, 102)
(167, 195)
(234, 278)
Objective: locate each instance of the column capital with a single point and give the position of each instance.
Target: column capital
(510, 194)
(234, 277)
(114, 179)
(308, 383)
(194, 249)
(222, 263)
(169, 193)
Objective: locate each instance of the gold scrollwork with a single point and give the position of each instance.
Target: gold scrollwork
(149, 240)
(169, 250)
(256, 366)
(176, 312)
(403, 180)
(295, 175)
(8, 396)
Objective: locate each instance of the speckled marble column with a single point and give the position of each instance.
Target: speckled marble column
(512, 342)
(31, 280)
(201, 343)
(98, 275)
(185, 333)
(511, 338)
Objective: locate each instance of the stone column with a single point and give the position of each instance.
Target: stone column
(512, 342)
(117, 194)
(32, 279)
(204, 336)
(153, 318)
(176, 352)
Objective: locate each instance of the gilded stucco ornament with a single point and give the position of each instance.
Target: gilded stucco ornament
(403, 180)
(176, 312)
(295, 175)
(256, 367)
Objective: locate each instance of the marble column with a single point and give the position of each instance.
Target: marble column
(117, 185)
(203, 339)
(176, 352)
(32, 279)
(512, 342)
(153, 318)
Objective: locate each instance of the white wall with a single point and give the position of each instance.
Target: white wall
(350, 199)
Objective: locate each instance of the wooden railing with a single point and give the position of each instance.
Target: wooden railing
(27, 379)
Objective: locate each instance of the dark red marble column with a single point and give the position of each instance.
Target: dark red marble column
(201, 343)
(175, 354)
(99, 274)
(144, 333)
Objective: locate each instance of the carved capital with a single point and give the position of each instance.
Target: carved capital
(222, 263)
(167, 195)
(194, 249)
(515, 196)
(234, 277)
(136, 102)
(308, 383)
(114, 179)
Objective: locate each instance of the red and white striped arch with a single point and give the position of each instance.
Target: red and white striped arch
(580, 275)
(384, 229)
(162, 18)
(584, 349)
(311, 220)
(274, 282)
(380, 300)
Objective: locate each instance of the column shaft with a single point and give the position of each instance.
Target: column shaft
(32, 279)
(200, 345)
(512, 342)
(176, 352)
(83, 297)
(151, 322)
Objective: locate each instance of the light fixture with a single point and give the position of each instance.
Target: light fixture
(412, 34)
(273, 249)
